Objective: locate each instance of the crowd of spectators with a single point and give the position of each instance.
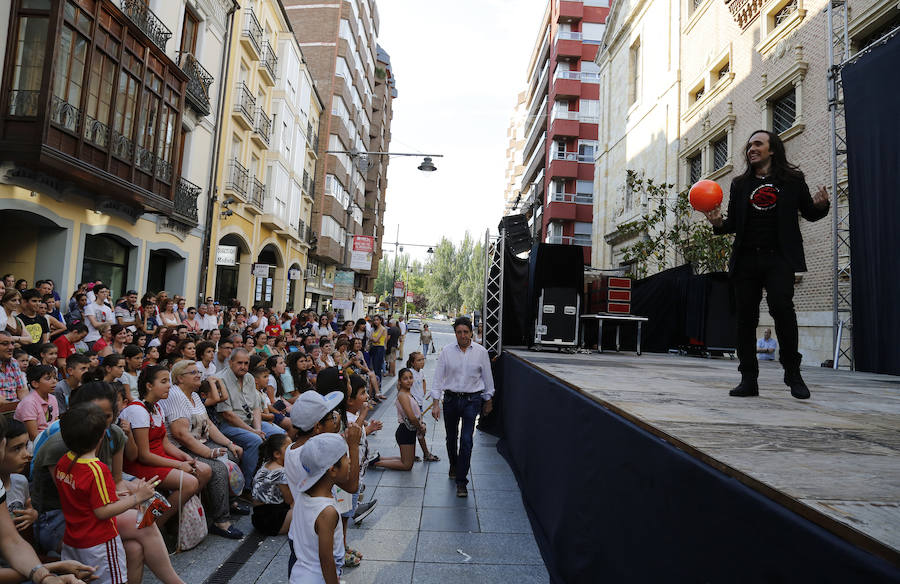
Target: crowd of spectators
(118, 403)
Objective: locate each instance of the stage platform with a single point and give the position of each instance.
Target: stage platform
(809, 490)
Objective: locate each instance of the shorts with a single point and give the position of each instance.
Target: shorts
(355, 503)
(109, 557)
(404, 435)
(269, 517)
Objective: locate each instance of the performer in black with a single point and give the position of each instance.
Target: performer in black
(768, 249)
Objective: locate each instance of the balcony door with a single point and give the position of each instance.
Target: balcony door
(189, 33)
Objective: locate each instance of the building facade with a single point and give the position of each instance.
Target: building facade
(561, 123)
(357, 85)
(719, 72)
(107, 118)
(515, 134)
(265, 162)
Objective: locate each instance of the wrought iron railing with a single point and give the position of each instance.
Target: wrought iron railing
(153, 27)
(257, 193)
(144, 159)
(253, 30)
(186, 195)
(270, 59)
(121, 146)
(23, 103)
(64, 114)
(163, 169)
(302, 230)
(96, 132)
(237, 178)
(244, 101)
(263, 125)
(199, 82)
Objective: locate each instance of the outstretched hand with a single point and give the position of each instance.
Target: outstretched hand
(714, 216)
(820, 198)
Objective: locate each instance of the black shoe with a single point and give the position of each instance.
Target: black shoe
(239, 507)
(363, 510)
(798, 387)
(452, 473)
(462, 491)
(745, 389)
(231, 533)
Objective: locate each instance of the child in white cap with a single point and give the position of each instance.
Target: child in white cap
(316, 526)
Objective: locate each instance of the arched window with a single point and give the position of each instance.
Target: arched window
(106, 259)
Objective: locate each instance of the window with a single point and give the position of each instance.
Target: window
(782, 15)
(587, 150)
(100, 88)
(784, 111)
(30, 50)
(589, 109)
(634, 72)
(123, 123)
(695, 167)
(67, 83)
(720, 152)
(189, 33)
(592, 31)
(584, 192)
(723, 71)
(106, 259)
(582, 234)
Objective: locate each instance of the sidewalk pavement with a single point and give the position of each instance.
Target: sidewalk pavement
(420, 531)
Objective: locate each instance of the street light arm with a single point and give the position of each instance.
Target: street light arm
(358, 152)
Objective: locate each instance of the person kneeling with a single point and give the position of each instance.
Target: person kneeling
(410, 425)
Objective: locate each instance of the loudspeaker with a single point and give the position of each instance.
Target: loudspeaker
(553, 266)
(557, 317)
(518, 236)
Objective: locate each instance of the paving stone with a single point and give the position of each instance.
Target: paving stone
(488, 499)
(442, 493)
(484, 548)
(400, 478)
(377, 572)
(398, 496)
(449, 519)
(395, 518)
(384, 544)
(433, 573)
(495, 482)
(503, 521)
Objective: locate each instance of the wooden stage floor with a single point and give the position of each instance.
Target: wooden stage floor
(834, 458)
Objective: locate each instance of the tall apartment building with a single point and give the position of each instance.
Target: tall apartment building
(339, 39)
(563, 112)
(515, 134)
(108, 115)
(266, 156)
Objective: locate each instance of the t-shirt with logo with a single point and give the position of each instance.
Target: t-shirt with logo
(85, 484)
(102, 314)
(762, 220)
(36, 326)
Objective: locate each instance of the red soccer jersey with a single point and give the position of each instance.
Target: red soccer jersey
(83, 486)
(64, 346)
(273, 330)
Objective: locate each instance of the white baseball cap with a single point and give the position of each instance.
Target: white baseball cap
(311, 407)
(318, 454)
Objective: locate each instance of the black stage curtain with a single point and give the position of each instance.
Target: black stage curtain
(871, 90)
(517, 310)
(610, 502)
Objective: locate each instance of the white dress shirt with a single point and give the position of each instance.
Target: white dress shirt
(461, 371)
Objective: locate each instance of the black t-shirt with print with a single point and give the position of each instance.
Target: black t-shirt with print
(762, 221)
(36, 326)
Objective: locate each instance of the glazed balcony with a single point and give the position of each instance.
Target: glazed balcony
(268, 64)
(244, 107)
(564, 123)
(566, 84)
(199, 82)
(252, 34)
(149, 23)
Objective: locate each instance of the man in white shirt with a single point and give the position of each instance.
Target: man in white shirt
(402, 324)
(206, 314)
(126, 311)
(463, 379)
(98, 313)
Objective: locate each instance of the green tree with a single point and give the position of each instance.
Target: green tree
(472, 289)
(669, 235)
(441, 284)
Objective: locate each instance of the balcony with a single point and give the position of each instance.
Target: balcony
(199, 82)
(23, 103)
(244, 107)
(186, 195)
(303, 232)
(256, 198)
(570, 11)
(563, 165)
(536, 164)
(268, 64)
(236, 179)
(566, 84)
(568, 46)
(564, 124)
(262, 129)
(312, 140)
(149, 23)
(252, 34)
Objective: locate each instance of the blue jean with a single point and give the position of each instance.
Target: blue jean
(378, 362)
(250, 443)
(49, 530)
(458, 407)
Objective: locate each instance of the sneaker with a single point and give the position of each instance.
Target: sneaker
(745, 389)
(462, 491)
(363, 510)
(373, 459)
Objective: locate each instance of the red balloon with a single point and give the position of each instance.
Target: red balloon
(705, 195)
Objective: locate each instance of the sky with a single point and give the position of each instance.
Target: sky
(459, 67)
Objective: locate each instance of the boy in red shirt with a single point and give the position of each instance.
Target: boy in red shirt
(87, 494)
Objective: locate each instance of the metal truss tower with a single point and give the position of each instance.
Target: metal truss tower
(492, 311)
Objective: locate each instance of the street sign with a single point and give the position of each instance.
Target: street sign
(398, 288)
(409, 296)
(226, 255)
(261, 270)
(362, 252)
(295, 274)
(343, 285)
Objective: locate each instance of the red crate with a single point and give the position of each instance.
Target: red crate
(619, 295)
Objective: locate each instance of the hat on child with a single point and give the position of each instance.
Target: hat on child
(318, 454)
(312, 406)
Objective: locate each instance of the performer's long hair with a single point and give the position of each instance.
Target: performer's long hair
(781, 168)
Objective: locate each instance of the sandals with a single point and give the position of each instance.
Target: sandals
(352, 558)
(431, 458)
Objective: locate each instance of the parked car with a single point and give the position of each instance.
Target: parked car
(414, 324)
(440, 316)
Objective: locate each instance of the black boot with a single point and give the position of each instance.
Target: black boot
(798, 387)
(746, 388)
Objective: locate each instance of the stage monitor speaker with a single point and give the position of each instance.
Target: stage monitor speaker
(553, 266)
(557, 317)
(518, 236)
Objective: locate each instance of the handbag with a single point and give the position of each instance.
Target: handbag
(192, 527)
(236, 479)
(432, 348)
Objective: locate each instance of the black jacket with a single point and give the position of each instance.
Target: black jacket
(794, 198)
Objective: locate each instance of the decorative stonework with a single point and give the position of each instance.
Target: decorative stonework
(170, 226)
(744, 11)
(118, 209)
